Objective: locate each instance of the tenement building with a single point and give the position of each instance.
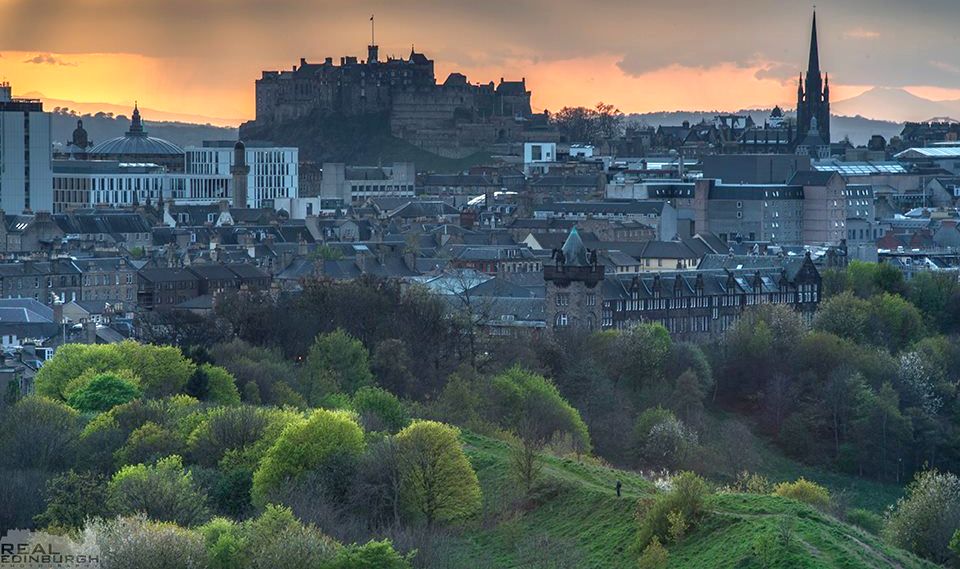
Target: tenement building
(692, 304)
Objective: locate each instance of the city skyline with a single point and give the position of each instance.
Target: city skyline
(201, 58)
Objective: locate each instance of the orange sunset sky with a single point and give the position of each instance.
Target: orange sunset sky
(201, 57)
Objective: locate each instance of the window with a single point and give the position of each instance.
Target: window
(591, 299)
(561, 320)
(563, 299)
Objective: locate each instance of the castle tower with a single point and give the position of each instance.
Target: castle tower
(573, 299)
(239, 171)
(813, 95)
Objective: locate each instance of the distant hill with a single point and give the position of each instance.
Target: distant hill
(858, 128)
(151, 114)
(102, 126)
(896, 104)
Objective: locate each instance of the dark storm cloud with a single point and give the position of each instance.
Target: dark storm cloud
(885, 42)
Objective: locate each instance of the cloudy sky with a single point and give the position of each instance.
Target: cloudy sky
(202, 56)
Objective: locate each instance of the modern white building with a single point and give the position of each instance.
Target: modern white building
(109, 183)
(274, 171)
(538, 156)
(350, 184)
(25, 153)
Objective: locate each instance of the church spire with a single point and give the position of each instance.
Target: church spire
(813, 66)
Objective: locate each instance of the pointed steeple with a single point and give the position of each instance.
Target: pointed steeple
(813, 66)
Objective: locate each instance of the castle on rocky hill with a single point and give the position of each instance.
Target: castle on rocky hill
(454, 119)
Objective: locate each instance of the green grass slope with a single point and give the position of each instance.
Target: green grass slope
(575, 519)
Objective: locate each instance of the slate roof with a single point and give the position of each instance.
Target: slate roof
(811, 178)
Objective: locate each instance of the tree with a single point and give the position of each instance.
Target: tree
(662, 440)
(531, 406)
(214, 384)
(324, 437)
(39, 433)
(924, 521)
(336, 362)
(438, 482)
(843, 315)
(103, 392)
(72, 360)
(71, 499)
(164, 492)
(937, 296)
(391, 364)
(894, 323)
(686, 496)
(148, 443)
(379, 410)
(371, 555)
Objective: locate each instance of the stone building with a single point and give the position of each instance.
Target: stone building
(574, 295)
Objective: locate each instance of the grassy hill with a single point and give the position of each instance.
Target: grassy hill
(575, 519)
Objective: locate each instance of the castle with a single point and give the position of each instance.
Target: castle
(453, 119)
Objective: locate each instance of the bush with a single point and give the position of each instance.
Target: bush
(437, 481)
(164, 492)
(925, 520)
(662, 440)
(139, 542)
(804, 491)
(276, 539)
(654, 556)
(305, 446)
(374, 554)
(865, 520)
(686, 498)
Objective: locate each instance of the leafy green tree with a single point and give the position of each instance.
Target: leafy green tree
(531, 406)
(305, 446)
(103, 392)
(662, 440)
(163, 370)
(148, 443)
(336, 362)
(213, 383)
(70, 361)
(391, 365)
(437, 481)
(881, 431)
(937, 296)
(379, 410)
(894, 323)
(924, 521)
(72, 498)
(844, 315)
(164, 492)
(39, 433)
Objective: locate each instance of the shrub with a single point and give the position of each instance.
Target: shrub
(804, 491)
(437, 481)
(662, 440)
(276, 539)
(925, 520)
(378, 554)
(305, 446)
(379, 410)
(163, 492)
(654, 556)
(139, 542)
(685, 498)
(865, 520)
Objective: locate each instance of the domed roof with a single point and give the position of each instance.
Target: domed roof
(136, 142)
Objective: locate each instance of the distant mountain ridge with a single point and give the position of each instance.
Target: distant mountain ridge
(149, 114)
(101, 127)
(896, 104)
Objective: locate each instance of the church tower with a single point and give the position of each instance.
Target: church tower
(813, 95)
(573, 298)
